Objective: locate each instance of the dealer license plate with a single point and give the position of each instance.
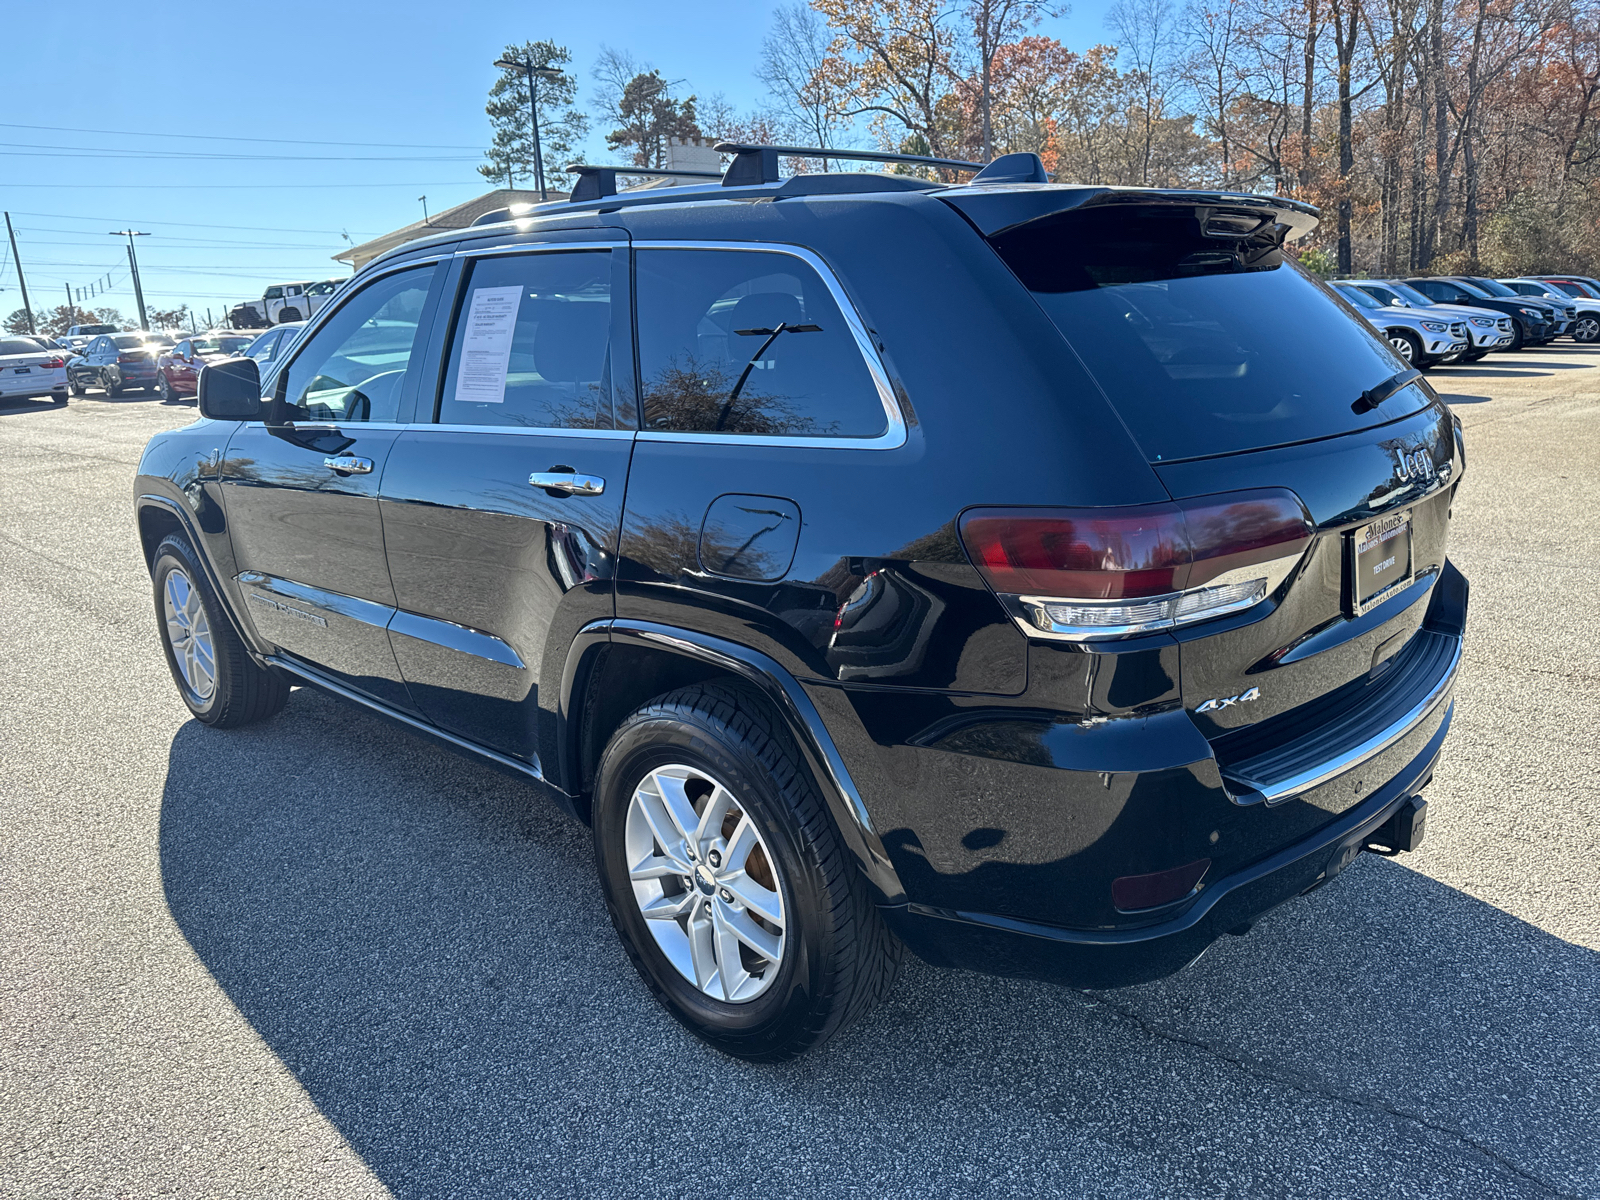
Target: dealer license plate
(22, 370)
(1380, 561)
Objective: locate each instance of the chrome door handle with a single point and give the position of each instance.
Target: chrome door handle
(570, 482)
(348, 464)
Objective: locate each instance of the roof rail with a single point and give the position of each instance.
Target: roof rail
(754, 163)
(597, 182)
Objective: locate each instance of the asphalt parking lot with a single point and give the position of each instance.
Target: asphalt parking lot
(323, 958)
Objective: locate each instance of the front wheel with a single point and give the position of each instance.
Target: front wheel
(288, 314)
(1407, 345)
(163, 388)
(218, 680)
(724, 876)
(1586, 328)
(1519, 335)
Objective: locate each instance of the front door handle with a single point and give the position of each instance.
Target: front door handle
(348, 464)
(568, 483)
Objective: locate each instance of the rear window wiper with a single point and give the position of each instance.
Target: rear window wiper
(1374, 396)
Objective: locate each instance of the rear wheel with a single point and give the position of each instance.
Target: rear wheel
(112, 389)
(723, 873)
(216, 677)
(59, 397)
(75, 385)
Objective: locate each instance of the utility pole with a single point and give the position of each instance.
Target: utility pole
(531, 71)
(133, 262)
(26, 307)
(72, 309)
(424, 200)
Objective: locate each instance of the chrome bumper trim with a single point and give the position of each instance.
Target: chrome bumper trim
(1277, 791)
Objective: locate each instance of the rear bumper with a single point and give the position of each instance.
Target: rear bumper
(36, 383)
(1000, 945)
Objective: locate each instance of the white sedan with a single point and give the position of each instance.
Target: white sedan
(28, 369)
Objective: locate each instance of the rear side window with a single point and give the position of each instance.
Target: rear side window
(1203, 345)
(748, 342)
(532, 343)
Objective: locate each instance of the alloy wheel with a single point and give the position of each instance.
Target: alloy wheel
(705, 883)
(1402, 346)
(1586, 329)
(189, 632)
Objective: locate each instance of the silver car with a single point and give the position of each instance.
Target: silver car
(1585, 326)
(1488, 329)
(1423, 341)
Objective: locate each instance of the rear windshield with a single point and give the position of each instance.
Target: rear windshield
(128, 340)
(1203, 345)
(19, 346)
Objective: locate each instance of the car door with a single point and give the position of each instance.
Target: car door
(501, 513)
(84, 369)
(301, 487)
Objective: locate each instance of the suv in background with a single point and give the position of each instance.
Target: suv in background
(1488, 329)
(87, 331)
(884, 564)
(1583, 313)
(1422, 339)
(1533, 322)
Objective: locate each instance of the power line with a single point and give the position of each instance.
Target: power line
(191, 224)
(28, 150)
(218, 137)
(76, 185)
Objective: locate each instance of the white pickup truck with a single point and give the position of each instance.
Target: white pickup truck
(283, 302)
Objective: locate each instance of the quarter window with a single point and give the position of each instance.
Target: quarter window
(353, 368)
(532, 344)
(748, 342)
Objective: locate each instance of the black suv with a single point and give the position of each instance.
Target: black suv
(1533, 322)
(997, 570)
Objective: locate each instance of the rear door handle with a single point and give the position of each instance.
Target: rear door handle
(568, 482)
(348, 464)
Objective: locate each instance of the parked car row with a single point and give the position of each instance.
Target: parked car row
(120, 362)
(1449, 319)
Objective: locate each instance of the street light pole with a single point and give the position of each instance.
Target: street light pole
(133, 262)
(528, 69)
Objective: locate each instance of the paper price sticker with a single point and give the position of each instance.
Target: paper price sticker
(486, 349)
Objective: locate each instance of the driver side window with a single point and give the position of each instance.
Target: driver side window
(353, 367)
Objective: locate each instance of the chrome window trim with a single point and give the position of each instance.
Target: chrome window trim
(894, 435)
(537, 248)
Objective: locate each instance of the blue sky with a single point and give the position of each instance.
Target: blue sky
(94, 98)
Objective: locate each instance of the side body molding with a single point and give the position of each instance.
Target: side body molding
(788, 698)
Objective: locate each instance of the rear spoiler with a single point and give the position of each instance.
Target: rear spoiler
(995, 209)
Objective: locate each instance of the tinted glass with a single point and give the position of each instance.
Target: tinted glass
(127, 341)
(1406, 292)
(352, 370)
(1204, 345)
(1358, 297)
(221, 344)
(532, 343)
(17, 345)
(734, 341)
(1490, 287)
(1440, 292)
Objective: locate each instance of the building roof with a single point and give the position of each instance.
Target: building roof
(459, 217)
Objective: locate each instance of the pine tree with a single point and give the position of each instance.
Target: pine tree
(561, 126)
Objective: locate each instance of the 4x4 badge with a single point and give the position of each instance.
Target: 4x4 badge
(1222, 702)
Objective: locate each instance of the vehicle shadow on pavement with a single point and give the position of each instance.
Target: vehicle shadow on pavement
(421, 941)
(17, 408)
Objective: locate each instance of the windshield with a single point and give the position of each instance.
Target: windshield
(1406, 292)
(1200, 342)
(220, 345)
(1490, 287)
(1358, 297)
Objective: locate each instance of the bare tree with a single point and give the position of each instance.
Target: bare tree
(804, 95)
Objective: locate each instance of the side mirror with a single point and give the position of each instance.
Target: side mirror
(230, 390)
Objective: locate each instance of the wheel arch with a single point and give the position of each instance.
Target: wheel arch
(615, 666)
(158, 516)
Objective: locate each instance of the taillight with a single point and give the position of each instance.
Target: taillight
(54, 363)
(1092, 573)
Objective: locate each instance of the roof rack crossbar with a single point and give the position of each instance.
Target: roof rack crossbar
(594, 183)
(753, 163)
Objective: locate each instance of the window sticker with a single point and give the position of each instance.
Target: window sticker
(486, 348)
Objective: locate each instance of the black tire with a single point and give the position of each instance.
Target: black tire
(1586, 329)
(1519, 335)
(1409, 347)
(112, 389)
(58, 397)
(839, 958)
(243, 692)
(163, 388)
(288, 314)
(75, 385)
